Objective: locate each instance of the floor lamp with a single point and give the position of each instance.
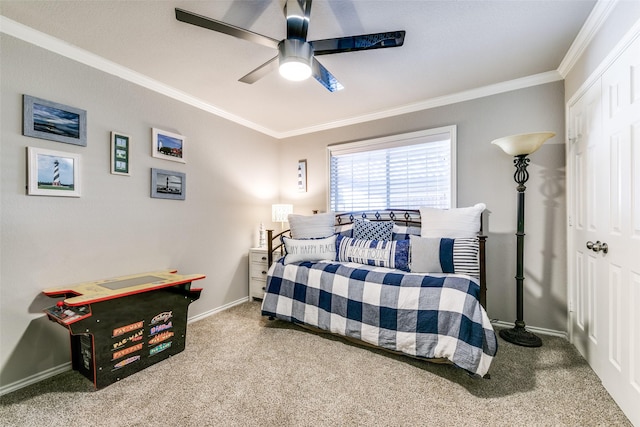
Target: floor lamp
(520, 146)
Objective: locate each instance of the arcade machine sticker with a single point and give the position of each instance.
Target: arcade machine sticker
(137, 336)
(128, 350)
(159, 328)
(125, 362)
(124, 329)
(163, 336)
(157, 349)
(162, 317)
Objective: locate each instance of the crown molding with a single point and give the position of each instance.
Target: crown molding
(45, 41)
(601, 10)
(481, 92)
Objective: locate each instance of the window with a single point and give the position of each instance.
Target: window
(400, 172)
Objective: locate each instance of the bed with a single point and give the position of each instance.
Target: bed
(389, 281)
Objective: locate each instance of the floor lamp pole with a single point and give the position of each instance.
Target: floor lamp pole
(518, 334)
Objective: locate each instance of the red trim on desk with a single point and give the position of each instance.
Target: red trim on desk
(138, 291)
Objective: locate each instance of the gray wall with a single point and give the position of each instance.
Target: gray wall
(625, 14)
(226, 201)
(115, 228)
(485, 174)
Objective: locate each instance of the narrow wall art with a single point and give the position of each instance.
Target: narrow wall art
(120, 153)
(302, 176)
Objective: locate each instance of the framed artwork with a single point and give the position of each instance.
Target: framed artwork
(53, 173)
(167, 145)
(302, 176)
(120, 153)
(56, 122)
(168, 184)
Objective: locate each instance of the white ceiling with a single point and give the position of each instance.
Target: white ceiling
(451, 48)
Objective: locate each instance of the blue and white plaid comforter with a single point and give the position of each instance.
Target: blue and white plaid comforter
(430, 316)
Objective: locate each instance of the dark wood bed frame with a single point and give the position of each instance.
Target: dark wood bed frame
(403, 217)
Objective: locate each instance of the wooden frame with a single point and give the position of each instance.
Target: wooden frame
(167, 145)
(167, 184)
(120, 153)
(53, 173)
(302, 176)
(56, 122)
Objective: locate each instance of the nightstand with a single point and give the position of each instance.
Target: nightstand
(257, 272)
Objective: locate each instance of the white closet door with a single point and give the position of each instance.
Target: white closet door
(621, 135)
(604, 233)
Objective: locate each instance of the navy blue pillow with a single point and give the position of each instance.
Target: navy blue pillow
(379, 253)
(372, 230)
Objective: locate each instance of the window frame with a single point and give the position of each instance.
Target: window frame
(399, 140)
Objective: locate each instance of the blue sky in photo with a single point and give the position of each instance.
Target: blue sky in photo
(64, 122)
(169, 142)
(46, 167)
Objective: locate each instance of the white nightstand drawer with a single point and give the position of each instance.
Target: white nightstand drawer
(257, 288)
(258, 267)
(259, 256)
(258, 271)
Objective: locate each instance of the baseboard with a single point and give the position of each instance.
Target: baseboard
(35, 378)
(535, 330)
(217, 310)
(56, 370)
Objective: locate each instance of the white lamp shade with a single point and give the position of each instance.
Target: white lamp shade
(295, 71)
(523, 144)
(295, 57)
(279, 213)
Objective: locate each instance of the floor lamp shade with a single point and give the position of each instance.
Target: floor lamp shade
(520, 146)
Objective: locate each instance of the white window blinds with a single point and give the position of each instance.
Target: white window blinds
(400, 172)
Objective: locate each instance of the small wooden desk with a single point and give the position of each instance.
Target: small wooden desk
(122, 325)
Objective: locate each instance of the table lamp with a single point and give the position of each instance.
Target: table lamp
(280, 213)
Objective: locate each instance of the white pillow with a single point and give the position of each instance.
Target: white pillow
(451, 223)
(309, 249)
(312, 226)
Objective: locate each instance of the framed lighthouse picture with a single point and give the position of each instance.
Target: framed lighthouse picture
(53, 173)
(302, 176)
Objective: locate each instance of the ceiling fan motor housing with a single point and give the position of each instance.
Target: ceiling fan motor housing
(295, 57)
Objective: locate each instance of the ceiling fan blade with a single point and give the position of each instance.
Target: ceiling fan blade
(222, 27)
(325, 78)
(361, 42)
(297, 12)
(261, 71)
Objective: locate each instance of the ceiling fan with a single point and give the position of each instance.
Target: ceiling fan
(296, 56)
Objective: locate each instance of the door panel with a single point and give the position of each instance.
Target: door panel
(619, 129)
(585, 119)
(604, 207)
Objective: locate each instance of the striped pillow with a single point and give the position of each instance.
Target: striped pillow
(379, 253)
(402, 232)
(443, 255)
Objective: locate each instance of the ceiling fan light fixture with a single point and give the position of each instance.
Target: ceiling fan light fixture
(295, 57)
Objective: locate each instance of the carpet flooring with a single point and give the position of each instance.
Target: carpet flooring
(239, 369)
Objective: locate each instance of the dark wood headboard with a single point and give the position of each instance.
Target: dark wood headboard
(404, 217)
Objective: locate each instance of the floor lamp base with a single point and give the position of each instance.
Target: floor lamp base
(520, 336)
